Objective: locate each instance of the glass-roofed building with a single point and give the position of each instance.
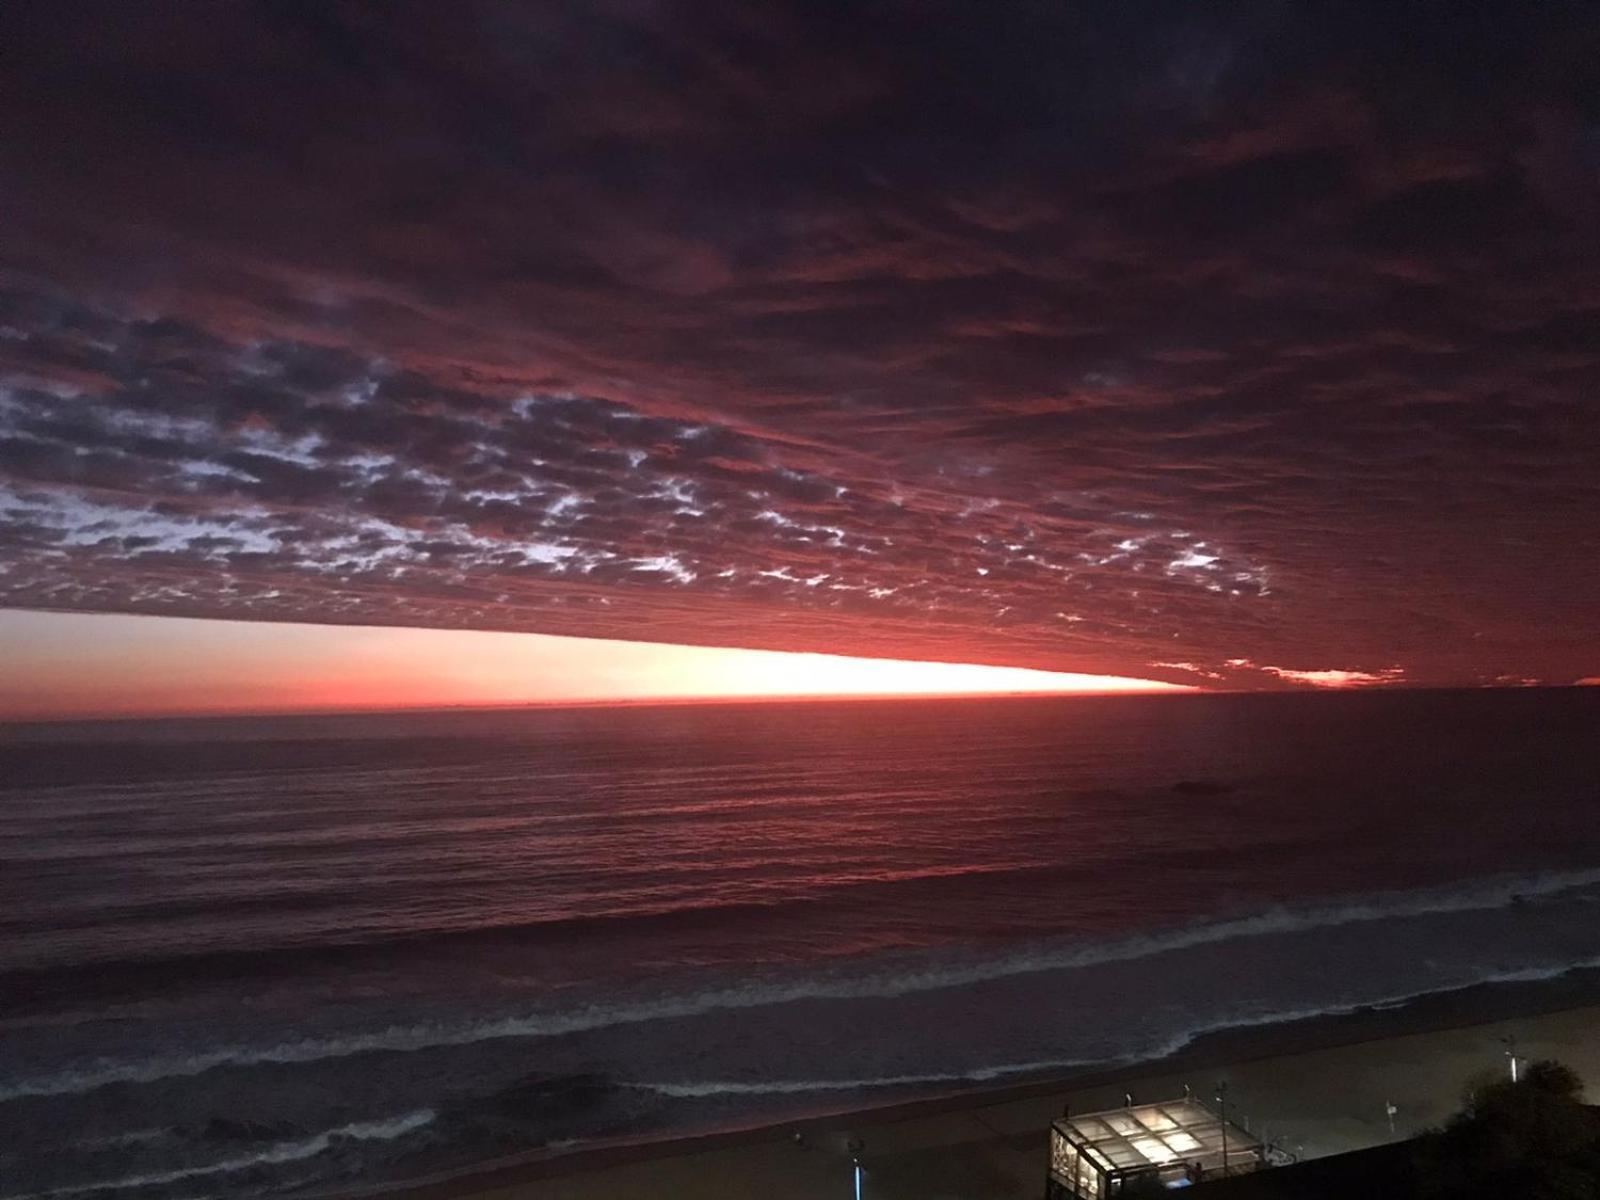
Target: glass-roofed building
(1099, 1155)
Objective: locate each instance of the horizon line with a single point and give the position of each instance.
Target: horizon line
(110, 717)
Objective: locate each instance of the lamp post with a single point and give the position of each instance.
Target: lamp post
(1222, 1111)
(1511, 1054)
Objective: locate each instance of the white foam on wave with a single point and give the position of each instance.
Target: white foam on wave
(786, 1087)
(1490, 894)
(278, 1152)
(131, 1138)
(1151, 1054)
(1193, 1034)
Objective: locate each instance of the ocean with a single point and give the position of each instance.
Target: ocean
(246, 957)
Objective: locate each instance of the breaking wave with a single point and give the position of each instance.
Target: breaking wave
(278, 1152)
(1152, 1053)
(790, 1087)
(1490, 894)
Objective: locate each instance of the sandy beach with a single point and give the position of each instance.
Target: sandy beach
(1312, 1102)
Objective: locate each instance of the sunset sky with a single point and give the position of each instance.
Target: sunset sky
(80, 665)
(1252, 346)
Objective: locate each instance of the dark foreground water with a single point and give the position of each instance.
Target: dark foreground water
(252, 956)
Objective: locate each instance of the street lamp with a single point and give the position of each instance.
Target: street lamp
(1511, 1054)
(1222, 1111)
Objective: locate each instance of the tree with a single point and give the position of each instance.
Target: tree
(1533, 1139)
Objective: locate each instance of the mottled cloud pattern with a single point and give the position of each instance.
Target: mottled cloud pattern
(1254, 347)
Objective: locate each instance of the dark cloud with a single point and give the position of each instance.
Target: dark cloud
(1248, 345)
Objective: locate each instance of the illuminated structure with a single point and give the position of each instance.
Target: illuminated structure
(1101, 1155)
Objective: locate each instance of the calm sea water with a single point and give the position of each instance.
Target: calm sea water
(242, 957)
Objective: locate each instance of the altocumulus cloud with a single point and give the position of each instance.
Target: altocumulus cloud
(1154, 341)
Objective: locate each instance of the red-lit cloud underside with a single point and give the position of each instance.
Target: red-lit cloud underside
(1254, 348)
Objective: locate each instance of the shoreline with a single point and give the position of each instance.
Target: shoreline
(1461, 1010)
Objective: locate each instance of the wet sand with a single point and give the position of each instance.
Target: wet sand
(1309, 1101)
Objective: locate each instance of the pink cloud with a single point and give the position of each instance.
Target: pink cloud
(1334, 677)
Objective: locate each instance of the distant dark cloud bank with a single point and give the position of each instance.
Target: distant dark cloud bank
(1214, 343)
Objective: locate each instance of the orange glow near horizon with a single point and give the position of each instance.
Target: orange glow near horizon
(81, 665)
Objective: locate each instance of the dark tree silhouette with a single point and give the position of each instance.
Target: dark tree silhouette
(1533, 1139)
